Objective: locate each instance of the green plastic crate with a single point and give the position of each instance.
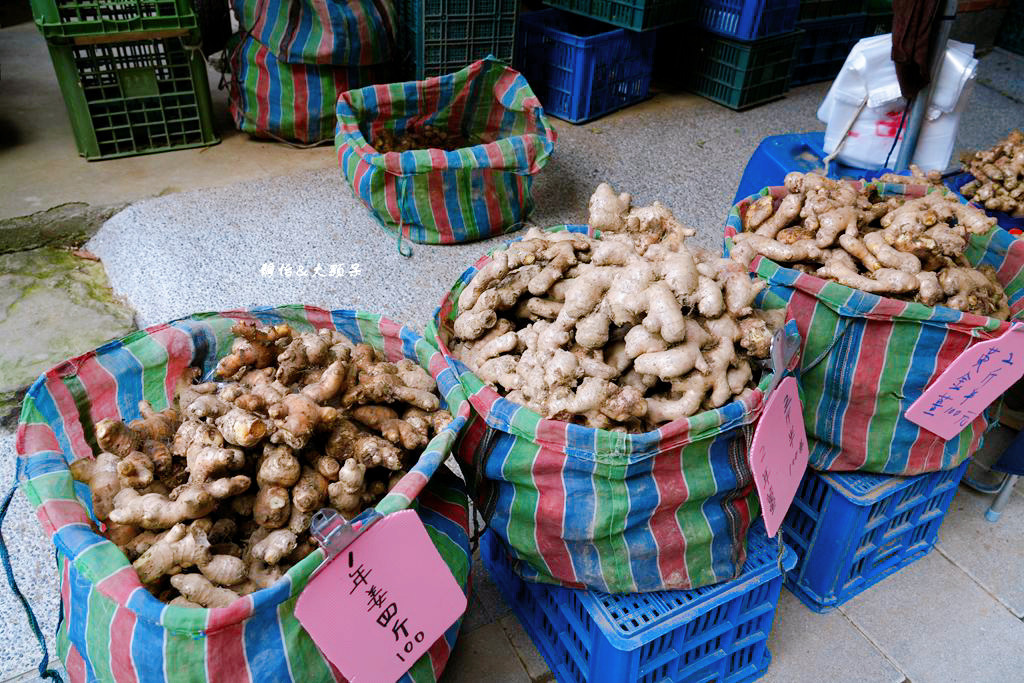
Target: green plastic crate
(637, 15)
(136, 97)
(1011, 33)
(876, 24)
(437, 37)
(91, 18)
(739, 74)
(820, 9)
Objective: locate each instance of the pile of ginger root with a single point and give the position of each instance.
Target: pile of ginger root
(998, 173)
(427, 137)
(626, 332)
(212, 499)
(910, 249)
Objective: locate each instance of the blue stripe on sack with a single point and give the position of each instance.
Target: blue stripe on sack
(275, 117)
(840, 369)
(47, 407)
(75, 539)
(578, 519)
(725, 483)
(446, 526)
(314, 93)
(272, 9)
(347, 324)
(204, 343)
(264, 644)
(268, 315)
(493, 469)
(450, 183)
(302, 30)
(147, 643)
(127, 371)
(640, 542)
(478, 204)
(922, 365)
(43, 462)
(79, 590)
(409, 210)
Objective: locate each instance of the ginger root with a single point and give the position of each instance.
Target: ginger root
(887, 246)
(619, 316)
(220, 504)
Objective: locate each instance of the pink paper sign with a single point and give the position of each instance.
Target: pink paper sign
(778, 454)
(382, 602)
(977, 377)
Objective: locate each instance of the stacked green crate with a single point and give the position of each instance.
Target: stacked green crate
(437, 37)
(131, 73)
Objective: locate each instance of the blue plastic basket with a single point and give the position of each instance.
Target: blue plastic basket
(778, 155)
(580, 68)
(748, 19)
(851, 530)
(716, 633)
(1006, 221)
(825, 46)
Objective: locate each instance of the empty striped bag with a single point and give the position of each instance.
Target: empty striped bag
(867, 358)
(445, 197)
(111, 627)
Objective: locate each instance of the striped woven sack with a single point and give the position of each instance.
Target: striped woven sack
(867, 358)
(621, 513)
(438, 197)
(289, 102)
(338, 32)
(111, 627)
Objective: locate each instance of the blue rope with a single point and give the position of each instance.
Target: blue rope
(44, 670)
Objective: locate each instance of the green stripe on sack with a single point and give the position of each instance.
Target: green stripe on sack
(152, 355)
(304, 659)
(100, 561)
(523, 508)
(185, 653)
(611, 506)
(52, 486)
(84, 407)
(695, 465)
(899, 355)
(97, 634)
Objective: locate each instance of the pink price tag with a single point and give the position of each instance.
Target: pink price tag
(977, 377)
(379, 605)
(778, 454)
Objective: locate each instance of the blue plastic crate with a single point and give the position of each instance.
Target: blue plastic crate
(716, 633)
(825, 46)
(778, 155)
(748, 19)
(1006, 221)
(580, 68)
(851, 530)
(635, 15)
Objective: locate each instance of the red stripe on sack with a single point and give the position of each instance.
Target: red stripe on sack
(365, 32)
(68, 412)
(120, 585)
(262, 86)
(801, 309)
(1012, 263)
(494, 216)
(439, 653)
(75, 665)
(391, 331)
(410, 485)
(225, 652)
(484, 400)
(300, 105)
(57, 513)
(319, 318)
(860, 403)
(101, 387)
(33, 438)
(672, 493)
(458, 107)
(551, 433)
(178, 345)
(390, 187)
(925, 454)
(546, 473)
(222, 617)
(122, 630)
(452, 511)
(438, 201)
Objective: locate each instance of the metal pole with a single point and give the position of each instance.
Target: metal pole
(1002, 498)
(917, 112)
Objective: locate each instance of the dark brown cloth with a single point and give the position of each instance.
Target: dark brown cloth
(913, 25)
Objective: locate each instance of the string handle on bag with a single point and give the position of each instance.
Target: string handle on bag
(44, 664)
